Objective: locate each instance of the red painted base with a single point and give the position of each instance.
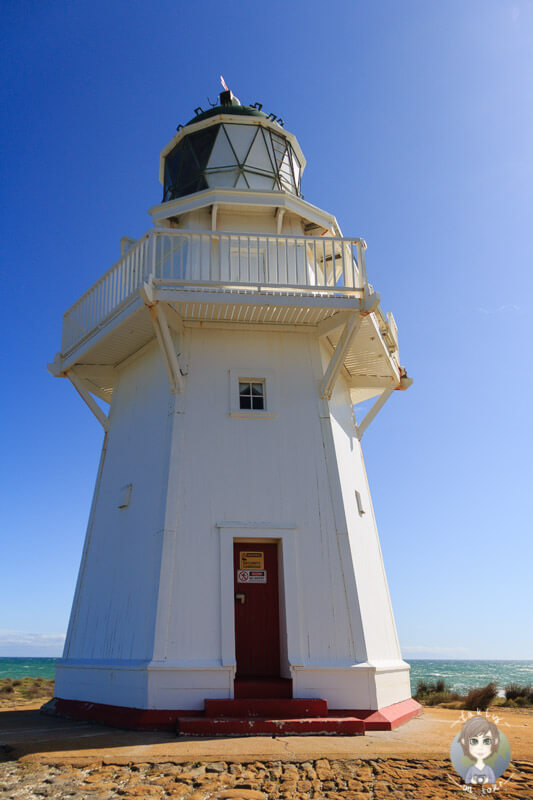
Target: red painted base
(388, 717)
(137, 719)
(241, 717)
(259, 726)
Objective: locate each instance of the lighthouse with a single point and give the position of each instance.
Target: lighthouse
(231, 578)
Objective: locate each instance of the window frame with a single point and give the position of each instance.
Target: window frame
(267, 379)
(251, 396)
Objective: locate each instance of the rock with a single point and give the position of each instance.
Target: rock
(207, 784)
(288, 785)
(309, 770)
(102, 786)
(94, 777)
(355, 795)
(241, 794)
(216, 766)
(323, 769)
(144, 790)
(275, 769)
(192, 775)
(365, 774)
(179, 790)
(163, 780)
(290, 772)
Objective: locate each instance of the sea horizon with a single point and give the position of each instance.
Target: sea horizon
(460, 674)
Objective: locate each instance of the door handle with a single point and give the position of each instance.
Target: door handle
(240, 597)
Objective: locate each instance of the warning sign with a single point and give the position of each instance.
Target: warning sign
(252, 576)
(251, 560)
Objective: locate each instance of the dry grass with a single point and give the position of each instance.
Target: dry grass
(24, 690)
(518, 696)
(480, 699)
(439, 694)
(435, 693)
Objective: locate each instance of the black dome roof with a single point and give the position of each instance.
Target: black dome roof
(236, 110)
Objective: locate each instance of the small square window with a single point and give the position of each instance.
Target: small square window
(248, 393)
(252, 395)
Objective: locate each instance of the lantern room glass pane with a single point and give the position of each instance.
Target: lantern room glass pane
(241, 138)
(261, 182)
(225, 179)
(258, 157)
(221, 155)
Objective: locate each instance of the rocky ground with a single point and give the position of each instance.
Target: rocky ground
(359, 779)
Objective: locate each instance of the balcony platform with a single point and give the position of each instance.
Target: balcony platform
(216, 279)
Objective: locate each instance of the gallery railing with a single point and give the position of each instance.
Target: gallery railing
(220, 261)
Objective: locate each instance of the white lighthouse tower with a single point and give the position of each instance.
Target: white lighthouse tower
(232, 578)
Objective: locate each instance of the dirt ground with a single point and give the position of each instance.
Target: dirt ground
(48, 757)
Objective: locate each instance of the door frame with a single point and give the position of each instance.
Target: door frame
(289, 611)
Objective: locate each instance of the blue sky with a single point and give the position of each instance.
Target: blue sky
(416, 122)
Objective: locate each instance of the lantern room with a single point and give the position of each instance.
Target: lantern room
(233, 147)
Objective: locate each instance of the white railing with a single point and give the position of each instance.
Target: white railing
(221, 262)
(107, 294)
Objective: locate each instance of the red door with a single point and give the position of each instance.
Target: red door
(256, 609)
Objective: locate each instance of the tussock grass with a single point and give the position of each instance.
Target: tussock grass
(518, 696)
(434, 693)
(24, 690)
(439, 693)
(481, 698)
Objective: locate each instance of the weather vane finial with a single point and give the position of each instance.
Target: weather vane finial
(224, 85)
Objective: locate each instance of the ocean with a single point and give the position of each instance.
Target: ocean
(464, 675)
(459, 675)
(28, 667)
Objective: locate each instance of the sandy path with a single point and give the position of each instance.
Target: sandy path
(35, 737)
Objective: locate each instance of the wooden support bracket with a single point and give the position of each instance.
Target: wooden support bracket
(330, 377)
(376, 407)
(172, 317)
(166, 345)
(85, 395)
(163, 316)
(104, 372)
(330, 324)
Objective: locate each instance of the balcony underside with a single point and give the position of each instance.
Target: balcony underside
(370, 363)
